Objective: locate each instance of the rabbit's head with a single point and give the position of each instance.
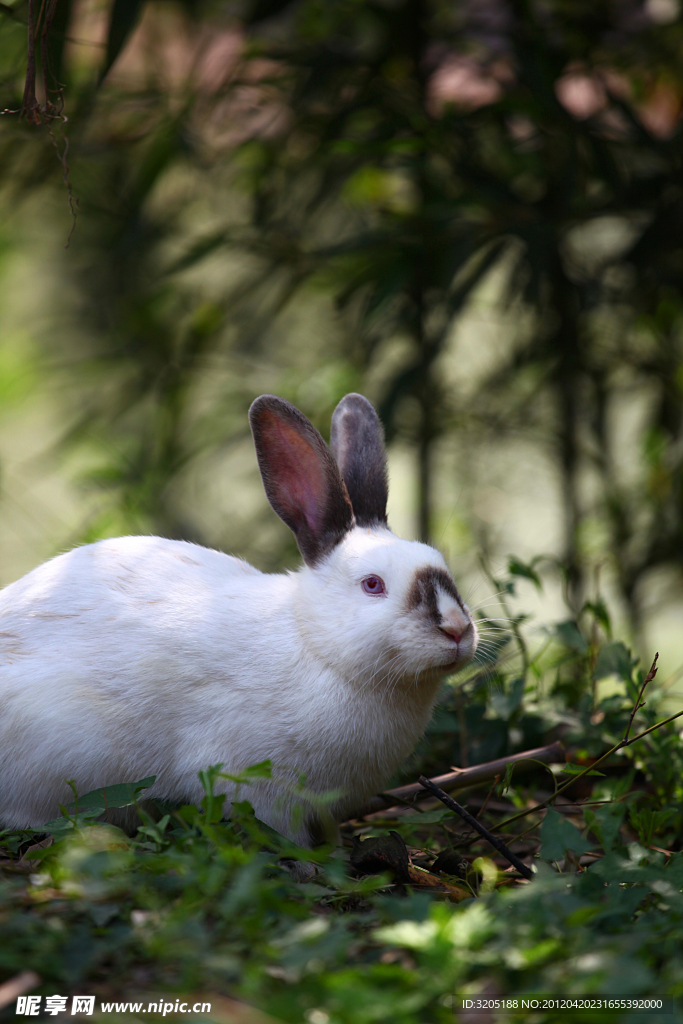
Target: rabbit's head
(368, 603)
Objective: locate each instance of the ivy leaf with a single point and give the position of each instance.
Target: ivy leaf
(569, 635)
(605, 822)
(558, 835)
(614, 660)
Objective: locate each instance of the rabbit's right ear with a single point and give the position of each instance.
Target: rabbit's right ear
(300, 477)
(357, 441)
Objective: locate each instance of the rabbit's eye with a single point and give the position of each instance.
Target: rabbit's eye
(374, 586)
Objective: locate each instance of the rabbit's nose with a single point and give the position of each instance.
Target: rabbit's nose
(453, 620)
(455, 631)
(457, 627)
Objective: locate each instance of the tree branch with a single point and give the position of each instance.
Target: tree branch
(639, 704)
(497, 843)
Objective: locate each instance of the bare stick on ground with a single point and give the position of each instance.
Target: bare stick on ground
(640, 702)
(473, 823)
(460, 778)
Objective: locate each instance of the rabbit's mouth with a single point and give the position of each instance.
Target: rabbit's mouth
(452, 663)
(461, 640)
(456, 660)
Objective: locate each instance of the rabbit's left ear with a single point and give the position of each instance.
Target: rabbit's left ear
(357, 442)
(300, 477)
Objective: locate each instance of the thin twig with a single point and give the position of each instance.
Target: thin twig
(473, 823)
(392, 800)
(645, 732)
(590, 768)
(71, 198)
(488, 797)
(641, 703)
(573, 808)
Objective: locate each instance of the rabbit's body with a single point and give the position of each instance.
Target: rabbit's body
(142, 656)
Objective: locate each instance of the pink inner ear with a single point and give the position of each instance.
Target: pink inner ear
(296, 472)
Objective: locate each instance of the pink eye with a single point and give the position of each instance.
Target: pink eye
(374, 586)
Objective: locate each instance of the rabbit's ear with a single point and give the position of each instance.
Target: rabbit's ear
(300, 477)
(358, 445)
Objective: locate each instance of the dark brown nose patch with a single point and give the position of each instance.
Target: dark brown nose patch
(423, 591)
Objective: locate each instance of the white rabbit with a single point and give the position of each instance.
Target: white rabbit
(143, 656)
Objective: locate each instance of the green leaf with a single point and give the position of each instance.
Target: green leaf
(558, 835)
(96, 803)
(62, 826)
(647, 822)
(122, 795)
(604, 822)
(614, 660)
(599, 610)
(504, 705)
(262, 770)
(576, 769)
(569, 635)
(517, 568)
(507, 778)
(510, 768)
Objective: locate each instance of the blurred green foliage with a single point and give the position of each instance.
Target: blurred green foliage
(389, 158)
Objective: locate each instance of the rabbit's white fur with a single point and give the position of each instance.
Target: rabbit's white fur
(142, 656)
